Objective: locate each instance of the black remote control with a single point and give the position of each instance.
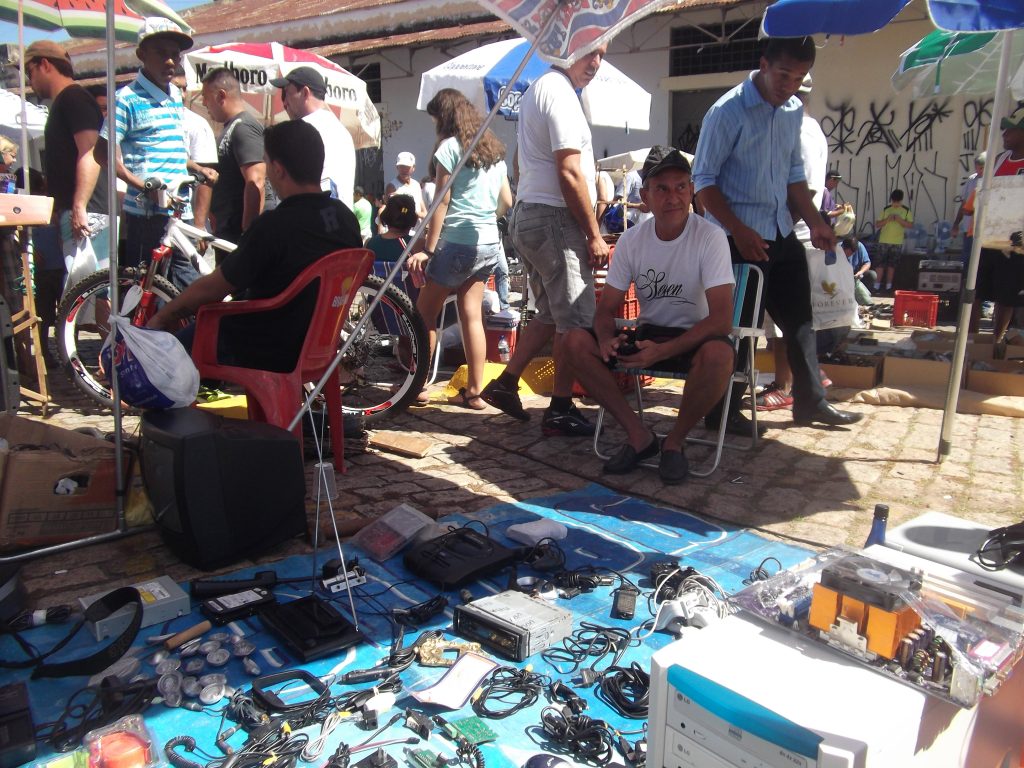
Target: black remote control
(624, 606)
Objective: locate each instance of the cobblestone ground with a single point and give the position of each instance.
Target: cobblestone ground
(816, 486)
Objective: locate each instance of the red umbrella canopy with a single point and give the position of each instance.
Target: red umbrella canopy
(87, 18)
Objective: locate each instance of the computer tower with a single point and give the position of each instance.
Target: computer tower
(222, 489)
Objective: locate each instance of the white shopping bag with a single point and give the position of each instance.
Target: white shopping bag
(832, 301)
(153, 368)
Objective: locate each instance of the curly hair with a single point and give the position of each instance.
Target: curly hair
(456, 116)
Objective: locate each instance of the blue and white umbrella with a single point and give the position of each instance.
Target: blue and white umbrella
(611, 99)
(794, 18)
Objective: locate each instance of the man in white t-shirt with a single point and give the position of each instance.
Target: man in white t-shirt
(555, 231)
(405, 184)
(302, 92)
(681, 268)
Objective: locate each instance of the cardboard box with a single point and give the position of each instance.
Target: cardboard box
(903, 372)
(1007, 379)
(36, 507)
(854, 376)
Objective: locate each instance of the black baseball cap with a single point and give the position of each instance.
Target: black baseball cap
(303, 77)
(661, 158)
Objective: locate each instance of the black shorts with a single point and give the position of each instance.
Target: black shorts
(676, 363)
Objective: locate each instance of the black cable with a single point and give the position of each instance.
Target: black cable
(626, 690)
(521, 687)
(587, 738)
(29, 618)
(761, 573)
(95, 706)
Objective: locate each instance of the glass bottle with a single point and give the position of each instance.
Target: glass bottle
(877, 533)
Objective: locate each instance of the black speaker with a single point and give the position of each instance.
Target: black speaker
(222, 489)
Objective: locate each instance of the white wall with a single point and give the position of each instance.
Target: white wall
(878, 139)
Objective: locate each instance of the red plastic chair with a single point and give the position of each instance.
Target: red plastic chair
(274, 397)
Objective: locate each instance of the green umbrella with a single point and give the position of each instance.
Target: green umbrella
(948, 63)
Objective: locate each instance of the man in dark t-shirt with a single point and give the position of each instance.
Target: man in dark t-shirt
(238, 193)
(75, 180)
(307, 225)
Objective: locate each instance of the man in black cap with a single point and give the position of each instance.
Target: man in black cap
(681, 268)
(302, 92)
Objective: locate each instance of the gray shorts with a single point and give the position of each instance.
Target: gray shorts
(558, 264)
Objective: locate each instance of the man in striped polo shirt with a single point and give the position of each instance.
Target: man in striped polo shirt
(150, 138)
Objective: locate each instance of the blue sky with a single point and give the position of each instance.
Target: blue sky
(9, 32)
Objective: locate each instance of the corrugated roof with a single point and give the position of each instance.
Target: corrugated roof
(412, 39)
(350, 27)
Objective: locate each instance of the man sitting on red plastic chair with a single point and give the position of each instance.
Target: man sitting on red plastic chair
(280, 244)
(680, 266)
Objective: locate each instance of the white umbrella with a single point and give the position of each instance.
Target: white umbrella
(11, 116)
(611, 100)
(256, 64)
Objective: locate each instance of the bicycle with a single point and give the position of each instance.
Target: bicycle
(381, 369)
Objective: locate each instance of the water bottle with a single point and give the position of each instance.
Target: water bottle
(877, 533)
(504, 352)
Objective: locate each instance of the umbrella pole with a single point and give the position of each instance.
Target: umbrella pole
(114, 218)
(422, 224)
(960, 347)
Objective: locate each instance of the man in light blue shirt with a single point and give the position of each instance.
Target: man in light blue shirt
(150, 136)
(749, 176)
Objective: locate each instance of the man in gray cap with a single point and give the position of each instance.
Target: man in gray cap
(151, 142)
(302, 92)
(685, 317)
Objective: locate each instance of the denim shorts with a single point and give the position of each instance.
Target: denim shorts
(453, 263)
(558, 264)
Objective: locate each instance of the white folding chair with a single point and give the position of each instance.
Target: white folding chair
(748, 277)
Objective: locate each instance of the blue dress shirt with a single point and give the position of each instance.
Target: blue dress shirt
(750, 150)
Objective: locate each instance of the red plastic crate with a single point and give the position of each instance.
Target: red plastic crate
(915, 308)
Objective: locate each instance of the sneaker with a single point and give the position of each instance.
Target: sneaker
(571, 423)
(772, 398)
(504, 399)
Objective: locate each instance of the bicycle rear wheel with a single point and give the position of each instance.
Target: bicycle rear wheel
(82, 327)
(385, 367)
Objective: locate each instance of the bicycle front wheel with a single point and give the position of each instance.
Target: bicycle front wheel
(386, 365)
(83, 326)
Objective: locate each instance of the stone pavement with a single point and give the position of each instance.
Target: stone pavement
(813, 486)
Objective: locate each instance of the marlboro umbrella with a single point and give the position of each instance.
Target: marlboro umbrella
(256, 64)
(611, 99)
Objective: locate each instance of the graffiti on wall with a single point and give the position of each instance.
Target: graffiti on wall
(883, 146)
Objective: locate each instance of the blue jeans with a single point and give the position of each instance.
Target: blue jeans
(141, 235)
(502, 284)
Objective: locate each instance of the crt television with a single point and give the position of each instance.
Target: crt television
(222, 489)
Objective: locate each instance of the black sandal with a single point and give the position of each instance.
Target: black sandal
(463, 401)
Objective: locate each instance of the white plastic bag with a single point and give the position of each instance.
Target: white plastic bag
(82, 264)
(832, 301)
(153, 368)
(845, 221)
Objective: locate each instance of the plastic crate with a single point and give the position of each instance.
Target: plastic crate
(915, 308)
